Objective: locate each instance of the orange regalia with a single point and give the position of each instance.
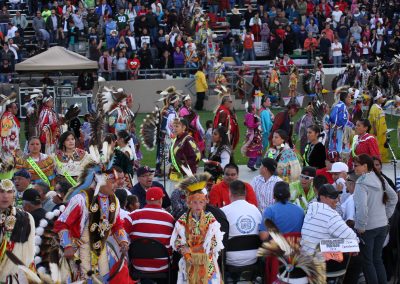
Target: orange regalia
(38, 167)
(197, 237)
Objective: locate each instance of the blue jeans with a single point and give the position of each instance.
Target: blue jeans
(371, 244)
(249, 55)
(237, 56)
(227, 50)
(337, 61)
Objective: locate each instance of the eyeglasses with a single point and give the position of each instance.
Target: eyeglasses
(306, 177)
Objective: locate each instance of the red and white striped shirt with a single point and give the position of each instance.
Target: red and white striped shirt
(153, 222)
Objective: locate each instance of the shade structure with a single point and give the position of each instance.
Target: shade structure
(56, 58)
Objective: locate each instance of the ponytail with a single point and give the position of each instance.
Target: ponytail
(385, 197)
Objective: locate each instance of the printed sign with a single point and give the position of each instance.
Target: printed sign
(339, 245)
(261, 49)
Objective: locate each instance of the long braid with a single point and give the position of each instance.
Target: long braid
(385, 196)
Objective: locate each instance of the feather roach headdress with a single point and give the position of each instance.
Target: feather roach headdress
(290, 255)
(194, 183)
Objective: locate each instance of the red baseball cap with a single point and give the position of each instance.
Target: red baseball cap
(154, 193)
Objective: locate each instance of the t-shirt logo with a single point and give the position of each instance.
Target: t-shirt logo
(245, 224)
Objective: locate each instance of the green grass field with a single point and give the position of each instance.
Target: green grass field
(149, 156)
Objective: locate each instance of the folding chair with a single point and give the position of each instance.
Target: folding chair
(146, 248)
(242, 243)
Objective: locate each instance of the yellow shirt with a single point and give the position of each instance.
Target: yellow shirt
(201, 82)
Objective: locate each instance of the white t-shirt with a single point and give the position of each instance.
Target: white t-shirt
(335, 46)
(244, 219)
(348, 209)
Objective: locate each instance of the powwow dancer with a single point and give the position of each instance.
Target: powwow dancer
(197, 236)
(92, 214)
(49, 130)
(226, 117)
(252, 147)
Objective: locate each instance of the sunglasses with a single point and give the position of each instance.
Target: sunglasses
(306, 177)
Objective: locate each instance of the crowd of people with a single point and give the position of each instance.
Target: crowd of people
(125, 36)
(82, 187)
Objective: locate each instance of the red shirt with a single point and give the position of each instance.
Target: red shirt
(151, 222)
(219, 195)
(366, 144)
(324, 172)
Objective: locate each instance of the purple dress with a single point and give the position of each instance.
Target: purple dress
(253, 145)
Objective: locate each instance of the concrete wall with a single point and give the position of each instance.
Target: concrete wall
(144, 91)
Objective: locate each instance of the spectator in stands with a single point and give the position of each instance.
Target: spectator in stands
(323, 222)
(38, 24)
(365, 48)
(324, 48)
(248, 46)
(336, 15)
(46, 197)
(103, 9)
(289, 42)
(151, 222)
(234, 21)
(94, 49)
(11, 29)
(4, 19)
(219, 194)
(264, 183)
(336, 53)
(287, 216)
(355, 31)
(302, 10)
(85, 82)
(92, 18)
(227, 43)
(255, 26)
(53, 25)
(166, 61)
(105, 63)
(7, 54)
(32, 204)
(312, 28)
(144, 54)
(15, 49)
(244, 219)
(178, 58)
(310, 45)
(121, 66)
(342, 31)
(72, 37)
(145, 181)
(378, 46)
(19, 21)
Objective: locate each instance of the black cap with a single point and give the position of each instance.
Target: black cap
(329, 191)
(31, 195)
(270, 164)
(309, 171)
(144, 170)
(22, 173)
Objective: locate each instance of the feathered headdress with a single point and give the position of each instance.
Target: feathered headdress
(170, 95)
(109, 98)
(6, 100)
(194, 183)
(293, 259)
(339, 90)
(99, 150)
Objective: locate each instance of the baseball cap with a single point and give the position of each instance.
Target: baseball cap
(154, 193)
(144, 170)
(329, 191)
(309, 171)
(22, 173)
(339, 167)
(31, 195)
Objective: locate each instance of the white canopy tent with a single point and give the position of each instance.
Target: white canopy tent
(56, 58)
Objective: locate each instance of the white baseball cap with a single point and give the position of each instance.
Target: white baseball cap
(339, 167)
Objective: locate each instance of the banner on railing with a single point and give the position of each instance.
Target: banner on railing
(261, 49)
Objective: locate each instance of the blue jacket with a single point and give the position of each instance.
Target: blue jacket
(339, 116)
(99, 10)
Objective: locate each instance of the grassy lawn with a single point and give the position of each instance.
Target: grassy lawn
(149, 156)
